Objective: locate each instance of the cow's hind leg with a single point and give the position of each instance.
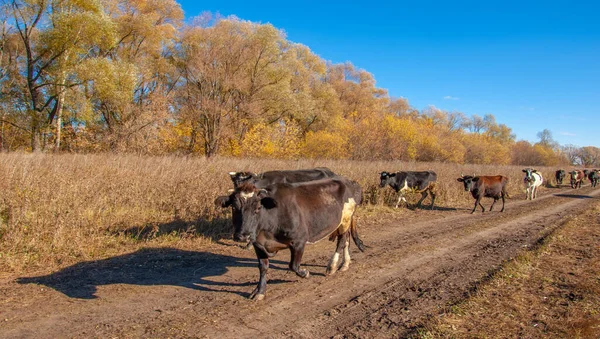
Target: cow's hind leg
(432, 198)
(333, 262)
(503, 194)
(297, 252)
(493, 203)
(423, 196)
(263, 266)
(347, 260)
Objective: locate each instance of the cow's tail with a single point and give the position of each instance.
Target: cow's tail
(354, 232)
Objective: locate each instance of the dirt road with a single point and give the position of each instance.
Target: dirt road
(419, 262)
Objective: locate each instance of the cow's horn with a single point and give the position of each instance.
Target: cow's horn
(231, 190)
(232, 173)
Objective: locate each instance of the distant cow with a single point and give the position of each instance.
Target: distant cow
(560, 176)
(282, 216)
(594, 176)
(419, 182)
(263, 180)
(285, 176)
(577, 177)
(533, 179)
(485, 186)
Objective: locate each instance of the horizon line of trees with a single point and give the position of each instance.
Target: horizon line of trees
(132, 76)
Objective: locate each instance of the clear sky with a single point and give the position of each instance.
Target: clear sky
(533, 65)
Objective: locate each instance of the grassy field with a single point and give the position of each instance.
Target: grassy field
(56, 210)
(552, 292)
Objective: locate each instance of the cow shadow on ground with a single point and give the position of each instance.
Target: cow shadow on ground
(214, 229)
(574, 196)
(150, 267)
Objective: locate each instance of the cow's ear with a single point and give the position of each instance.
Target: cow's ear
(460, 179)
(524, 171)
(476, 179)
(268, 203)
(223, 201)
(534, 171)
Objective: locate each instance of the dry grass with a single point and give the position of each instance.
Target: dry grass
(56, 210)
(553, 292)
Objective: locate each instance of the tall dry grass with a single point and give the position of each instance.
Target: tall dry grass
(56, 210)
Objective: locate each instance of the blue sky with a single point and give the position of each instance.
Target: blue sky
(533, 65)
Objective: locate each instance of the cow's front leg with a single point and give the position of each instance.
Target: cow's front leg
(297, 251)
(400, 198)
(263, 266)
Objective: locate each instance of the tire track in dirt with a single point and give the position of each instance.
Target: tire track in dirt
(415, 266)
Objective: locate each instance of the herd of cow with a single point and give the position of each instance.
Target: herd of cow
(276, 210)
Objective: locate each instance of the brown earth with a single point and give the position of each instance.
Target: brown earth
(418, 263)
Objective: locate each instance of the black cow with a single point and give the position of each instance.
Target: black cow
(560, 176)
(419, 182)
(577, 177)
(283, 176)
(594, 176)
(485, 186)
(263, 180)
(284, 216)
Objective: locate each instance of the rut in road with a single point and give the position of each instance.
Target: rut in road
(415, 267)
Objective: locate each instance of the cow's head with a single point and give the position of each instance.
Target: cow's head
(528, 174)
(468, 181)
(386, 178)
(252, 212)
(236, 199)
(240, 177)
(573, 174)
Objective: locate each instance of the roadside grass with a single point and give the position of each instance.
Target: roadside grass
(550, 292)
(57, 210)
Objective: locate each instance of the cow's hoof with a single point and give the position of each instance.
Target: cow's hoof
(344, 268)
(258, 297)
(330, 271)
(304, 274)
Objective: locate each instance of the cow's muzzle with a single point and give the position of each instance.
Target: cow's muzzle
(241, 237)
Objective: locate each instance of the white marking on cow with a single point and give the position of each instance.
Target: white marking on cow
(333, 263)
(347, 214)
(246, 195)
(401, 193)
(232, 173)
(346, 263)
(531, 186)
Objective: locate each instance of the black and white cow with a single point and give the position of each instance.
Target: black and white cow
(280, 176)
(263, 180)
(560, 176)
(419, 182)
(533, 179)
(594, 176)
(290, 216)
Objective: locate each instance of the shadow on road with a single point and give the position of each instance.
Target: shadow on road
(147, 267)
(574, 196)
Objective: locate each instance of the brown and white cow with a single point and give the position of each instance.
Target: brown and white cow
(290, 216)
(577, 177)
(485, 186)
